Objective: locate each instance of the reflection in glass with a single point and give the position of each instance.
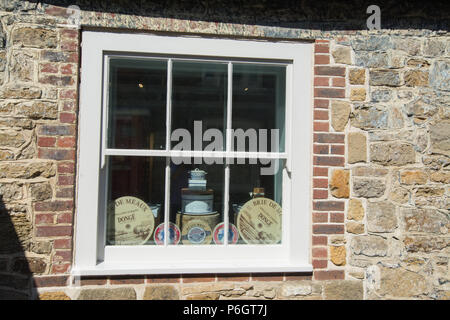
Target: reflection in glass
(199, 93)
(196, 201)
(255, 202)
(137, 104)
(259, 100)
(135, 205)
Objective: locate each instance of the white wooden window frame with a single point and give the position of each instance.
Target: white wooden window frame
(92, 257)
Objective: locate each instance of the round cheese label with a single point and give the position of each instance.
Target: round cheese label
(174, 234)
(219, 233)
(196, 232)
(259, 221)
(130, 221)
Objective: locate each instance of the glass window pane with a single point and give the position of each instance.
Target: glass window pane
(199, 93)
(259, 103)
(137, 104)
(196, 200)
(255, 201)
(135, 199)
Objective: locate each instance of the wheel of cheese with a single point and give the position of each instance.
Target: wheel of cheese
(259, 221)
(130, 221)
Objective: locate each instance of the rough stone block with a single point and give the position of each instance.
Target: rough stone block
(339, 183)
(381, 217)
(392, 153)
(162, 292)
(108, 294)
(371, 246)
(356, 148)
(368, 188)
(340, 111)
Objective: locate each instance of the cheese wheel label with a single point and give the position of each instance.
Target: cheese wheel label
(219, 233)
(196, 232)
(259, 221)
(174, 234)
(130, 221)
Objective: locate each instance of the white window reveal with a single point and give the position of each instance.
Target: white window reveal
(204, 140)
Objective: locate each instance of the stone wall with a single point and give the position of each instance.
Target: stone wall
(381, 154)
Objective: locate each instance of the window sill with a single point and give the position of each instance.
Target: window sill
(103, 269)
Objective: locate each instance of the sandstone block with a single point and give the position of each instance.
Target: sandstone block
(38, 110)
(340, 111)
(425, 243)
(416, 78)
(440, 137)
(357, 76)
(357, 147)
(355, 210)
(344, 290)
(413, 177)
(23, 170)
(34, 37)
(425, 220)
(163, 292)
(108, 294)
(411, 284)
(342, 55)
(57, 295)
(15, 233)
(354, 227)
(339, 183)
(12, 139)
(381, 217)
(10, 191)
(27, 265)
(20, 92)
(358, 94)
(40, 191)
(338, 255)
(295, 289)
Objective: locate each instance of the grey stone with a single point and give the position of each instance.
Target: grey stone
(440, 75)
(344, 290)
(384, 78)
(392, 153)
(368, 188)
(372, 43)
(409, 45)
(381, 217)
(296, 288)
(371, 59)
(163, 292)
(425, 220)
(434, 48)
(440, 137)
(381, 95)
(108, 294)
(369, 117)
(370, 246)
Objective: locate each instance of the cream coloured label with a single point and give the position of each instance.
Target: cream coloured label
(130, 221)
(259, 221)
